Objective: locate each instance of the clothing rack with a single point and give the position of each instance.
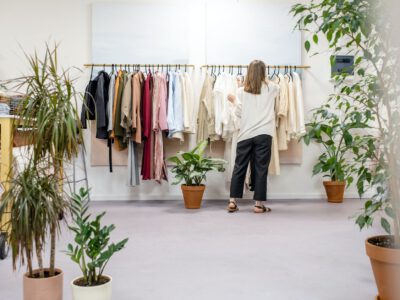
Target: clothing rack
(267, 66)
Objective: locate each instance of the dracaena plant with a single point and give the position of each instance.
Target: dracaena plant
(192, 167)
(33, 202)
(48, 112)
(92, 249)
(353, 27)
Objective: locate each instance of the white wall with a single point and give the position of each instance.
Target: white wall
(28, 24)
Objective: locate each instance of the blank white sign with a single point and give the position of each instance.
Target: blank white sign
(240, 31)
(140, 32)
(208, 31)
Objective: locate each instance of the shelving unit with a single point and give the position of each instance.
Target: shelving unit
(6, 149)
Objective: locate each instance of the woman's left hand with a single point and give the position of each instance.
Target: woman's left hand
(231, 98)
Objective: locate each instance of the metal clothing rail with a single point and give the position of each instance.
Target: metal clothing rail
(246, 66)
(142, 65)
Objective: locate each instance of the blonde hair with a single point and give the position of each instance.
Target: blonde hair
(255, 77)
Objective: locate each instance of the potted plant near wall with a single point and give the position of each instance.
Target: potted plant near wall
(191, 168)
(34, 203)
(50, 108)
(332, 130)
(357, 28)
(92, 251)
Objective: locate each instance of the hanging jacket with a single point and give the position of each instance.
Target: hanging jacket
(94, 105)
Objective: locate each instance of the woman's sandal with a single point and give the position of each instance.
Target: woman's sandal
(232, 207)
(259, 209)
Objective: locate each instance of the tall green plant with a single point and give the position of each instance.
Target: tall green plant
(351, 26)
(92, 250)
(33, 201)
(50, 108)
(192, 167)
(334, 131)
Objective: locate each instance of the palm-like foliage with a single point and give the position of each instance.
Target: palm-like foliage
(50, 109)
(34, 202)
(192, 168)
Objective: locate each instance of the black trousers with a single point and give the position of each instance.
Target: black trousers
(258, 151)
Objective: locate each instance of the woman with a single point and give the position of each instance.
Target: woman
(254, 105)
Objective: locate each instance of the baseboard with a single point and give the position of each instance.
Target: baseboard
(277, 196)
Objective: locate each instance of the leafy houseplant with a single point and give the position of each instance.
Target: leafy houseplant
(191, 168)
(334, 130)
(92, 250)
(34, 201)
(50, 108)
(354, 27)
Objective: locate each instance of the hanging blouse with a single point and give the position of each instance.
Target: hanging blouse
(110, 104)
(206, 113)
(159, 124)
(119, 131)
(137, 86)
(126, 106)
(175, 109)
(146, 171)
(300, 122)
(95, 104)
(291, 120)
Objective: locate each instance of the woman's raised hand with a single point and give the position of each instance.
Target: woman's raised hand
(231, 98)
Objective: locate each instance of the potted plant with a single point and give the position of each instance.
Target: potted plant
(332, 130)
(50, 108)
(91, 251)
(34, 202)
(192, 168)
(357, 28)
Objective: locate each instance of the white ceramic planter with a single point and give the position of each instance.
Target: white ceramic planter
(100, 292)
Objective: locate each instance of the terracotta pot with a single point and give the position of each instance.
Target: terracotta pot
(334, 191)
(386, 267)
(50, 288)
(193, 195)
(99, 292)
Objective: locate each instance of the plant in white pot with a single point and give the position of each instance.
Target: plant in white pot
(367, 30)
(91, 251)
(191, 168)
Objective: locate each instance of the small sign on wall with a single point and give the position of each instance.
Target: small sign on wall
(342, 64)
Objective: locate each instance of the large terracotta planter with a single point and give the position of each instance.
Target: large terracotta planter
(50, 288)
(335, 191)
(193, 195)
(99, 292)
(385, 264)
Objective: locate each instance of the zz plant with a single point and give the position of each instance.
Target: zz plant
(354, 27)
(92, 249)
(192, 167)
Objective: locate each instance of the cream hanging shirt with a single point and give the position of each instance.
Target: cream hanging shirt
(256, 112)
(300, 123)
(291, 119)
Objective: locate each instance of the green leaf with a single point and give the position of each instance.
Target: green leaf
(386, 225)
(307, 45)
(307, 139)
(361, 72)
(348, 138)
(361, 222)
(315, 38)
(390, 212)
